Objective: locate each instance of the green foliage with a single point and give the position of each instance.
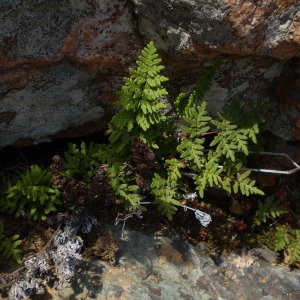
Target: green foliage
(9, 245)
(213, 150)
(32, 195)
(141, 106)
(220, 165)
(164, 196)
(124, 192)
(288, 238)
(269, 209)
(203, 85)
(80, 162)
(191, 147)
(174, 175)
(142, 116)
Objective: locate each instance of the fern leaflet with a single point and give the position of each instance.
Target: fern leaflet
(271, 208)
(164, 196)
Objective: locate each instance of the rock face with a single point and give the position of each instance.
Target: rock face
(160, 266)
(62, 62)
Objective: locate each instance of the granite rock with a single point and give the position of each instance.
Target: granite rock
(160, 266)
(62, 63)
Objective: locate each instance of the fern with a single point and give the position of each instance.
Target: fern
(32, 195)
(209, 175)
(287, 238)
(236, 126)
(203, 85)
(245, 184)
(174, 175)
(141, 116)
(80, 162)
(106, 154)
(140, 102)
(294, 246)
(282, 238)
(164, 196)
(271, 208)
(191, 151)
(228, 140)
(9, 246)
(123, 190)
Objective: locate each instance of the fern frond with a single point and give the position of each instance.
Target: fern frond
(9, 246)
(164, 196)
(174, 174)
(246, 185)
(226, 145)
(208, 176)
(140, 102)
(294, 247)
(198, 120)
(32, 194)
(244, 117)
(282, 237)
(105, 154)
(124, 191)
(203, 85)
(192, 150)
(80, 161)
(288, 239)
(271, 208)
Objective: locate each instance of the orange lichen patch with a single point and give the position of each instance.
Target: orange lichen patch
(295, 30)
(92, 43)
(10, 63)
(19, 78)
(197, 49)
(283, 5)
(40, 84)
(249, 22)
(286, 50)
(169, 254)
(23, 142)
(100, 44)
(246, 16)
(7, 117)
(81, 130)
(15, 79)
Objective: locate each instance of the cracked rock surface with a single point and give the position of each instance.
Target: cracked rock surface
(62, 63)
(156, 266)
